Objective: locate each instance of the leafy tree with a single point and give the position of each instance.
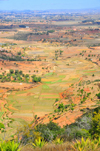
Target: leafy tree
(11, 71)
(39, 79)
(45, 132)
(1, 126)
(53, 126)
(1, 76)
(61, 52)
(36, 79)
(8, 74)
(27, 134)
(33, 76)
(19, 53)
(61, 106)
(27, 76)
(98, 95)
(16, 71)
(51, 31)
(57, 100)
(95, 130)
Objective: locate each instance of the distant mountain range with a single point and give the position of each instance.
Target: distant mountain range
(55, 11)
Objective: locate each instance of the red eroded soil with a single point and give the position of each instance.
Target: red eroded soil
(15, 85)
(49, 97)
(76, 100)
(66, 93)
(48, 93)
(87, 89)
(26, 94)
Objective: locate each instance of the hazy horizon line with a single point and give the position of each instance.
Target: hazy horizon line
(95, 8)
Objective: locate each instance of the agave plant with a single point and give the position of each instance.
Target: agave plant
(39, 142)
(97, 141)
(58, 141)
(85, 145)
(9, 146)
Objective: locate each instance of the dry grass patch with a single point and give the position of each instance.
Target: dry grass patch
(50, 147)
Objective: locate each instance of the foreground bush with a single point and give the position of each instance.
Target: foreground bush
(27, 134)
(49, 131)
(9, 146)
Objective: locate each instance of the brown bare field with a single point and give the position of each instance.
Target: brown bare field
(13, 85)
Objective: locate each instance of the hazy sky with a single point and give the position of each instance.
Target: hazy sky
(47, 4)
